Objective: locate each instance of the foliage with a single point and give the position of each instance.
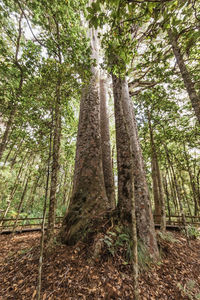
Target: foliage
(189, 290)
(119, 244)
(193, 232)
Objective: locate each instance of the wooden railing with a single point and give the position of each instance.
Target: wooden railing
(10, 224)
(33, 224)
(178, 220)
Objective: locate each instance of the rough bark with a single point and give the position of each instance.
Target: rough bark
(105, 144)
(123, 155)
(89, 201)
(124, 113)
(189, 84)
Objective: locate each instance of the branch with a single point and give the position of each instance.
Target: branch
(29, 26)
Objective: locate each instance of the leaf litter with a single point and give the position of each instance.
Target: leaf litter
(67, 273)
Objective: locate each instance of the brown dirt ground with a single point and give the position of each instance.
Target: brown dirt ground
(67, 274)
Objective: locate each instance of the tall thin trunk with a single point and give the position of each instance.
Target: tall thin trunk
(7, 131)
(180, 203)
(159, 199)
(39, 286)
(165, 183)
(105, 144)
(157, 206)
(21, 203)
(172, 187)
(192, 183)
(29, 204)
(156, 193)
(124, 111)
(9, 152)
(18, 93)
(162, 199)
(55, 165)
(56, 143)
(185, 195)
(189, 84)
(14, 189)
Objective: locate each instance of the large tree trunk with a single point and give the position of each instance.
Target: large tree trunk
(105, 144)
(125, 115)
(124, 164)
(89, 201)
(189, 84)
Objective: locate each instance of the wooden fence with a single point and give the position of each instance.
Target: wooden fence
(34, 224)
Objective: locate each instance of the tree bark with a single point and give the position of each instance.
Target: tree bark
(89, 201)
(125, 114)
(105, 144)
(189, 84)
(55, 163)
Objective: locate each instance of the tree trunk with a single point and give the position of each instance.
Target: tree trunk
(55, 163)
(21, 203)
(159, 199)
(156, 196)
(9, 153)
(105, 144)
(7, 131)
(186, 197)
(125, 114)
(167, 197)
(189, 85)
(39, 286)
(89, 201)
(192, 183)
(123, 154)
(18, 92)
(14, 189)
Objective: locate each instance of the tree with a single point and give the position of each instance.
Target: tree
(105, 144)
(145, 224)
(89, 202)
(189, 84)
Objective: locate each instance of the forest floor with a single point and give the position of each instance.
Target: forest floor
(67, 273)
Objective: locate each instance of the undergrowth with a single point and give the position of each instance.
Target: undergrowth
(118, 242)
